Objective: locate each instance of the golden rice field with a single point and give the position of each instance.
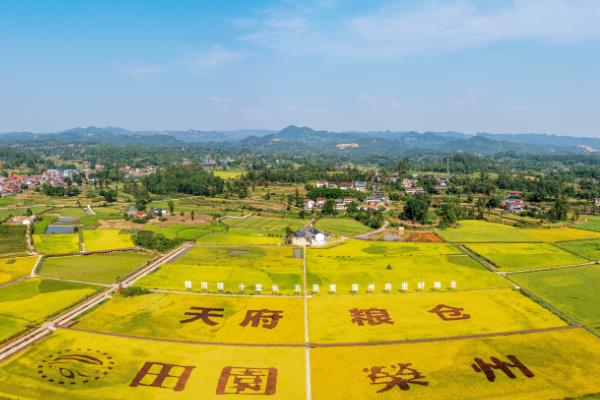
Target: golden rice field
(412, 316)
(560, 364)
(106, 239)
(57, 243)
(14, 268)
(159, 315)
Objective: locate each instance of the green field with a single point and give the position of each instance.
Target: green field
(96, 268)
(232, 265)
(589, 249)
(341, 226)
(184, 231)
(241, 236)
(482, 231)
(102, 213)
(265, 223)
(592, 223)
(525, 256)
(572, 290)
(29, 302)
(15, 268)
(364, 263)
(106, 239)
(56, 243)
(12, 239)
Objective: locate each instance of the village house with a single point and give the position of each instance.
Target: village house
(340, 205)
(309, 237)
(320, 202)
(378, 200)
(321, 184)
(309, 204)
(408, 183)
(414, 190)
(348, 199)
(597, 202)
(512, 204)
(360, 186)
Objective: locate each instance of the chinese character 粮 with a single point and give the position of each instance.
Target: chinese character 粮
(372, 316)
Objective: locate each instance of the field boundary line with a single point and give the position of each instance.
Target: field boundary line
(308, 346)
(53, 278)
(307, 375)
(527, 271)
(35, 266)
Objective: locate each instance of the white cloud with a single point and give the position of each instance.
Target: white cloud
(430, 26)
(215, 58)
(143, 72)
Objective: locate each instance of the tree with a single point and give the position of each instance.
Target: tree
(448, 212)
(559, 210)
(171, 205)
(329, 207)
(416, 208)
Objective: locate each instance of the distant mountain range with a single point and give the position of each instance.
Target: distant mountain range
(305, 140)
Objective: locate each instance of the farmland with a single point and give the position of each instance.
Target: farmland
(341, 226)
(265, 223)
(97, 268)
(232, 265)
(106, 239)
(501, 310)
(559, 234)
(56, 243)
(589, 249)
(592, 224)
(241, 236)
(159, 315)
(571, 290)
(481, 231)
(524, 256)
(447, 368)
(15, 268)
(12, 239)
(378, 263)
(29, 302)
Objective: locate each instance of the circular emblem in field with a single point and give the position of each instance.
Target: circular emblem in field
(75, 366)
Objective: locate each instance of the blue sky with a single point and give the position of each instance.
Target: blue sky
(471, 66)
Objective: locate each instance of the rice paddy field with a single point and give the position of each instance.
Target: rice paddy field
(525, 256)
(589, 249)
(592, 224)
(342, 226)
(95, 268)
(15, 268)
(366, 262)
(482, 231)
(106, 239)
(467, 333)
(160, 315)
(241, 236)
(265, 223)
(56, 243)
(448, 370)
(232, 265)
(560, 234)
(572, 290)
(27, 303)
(12, 239)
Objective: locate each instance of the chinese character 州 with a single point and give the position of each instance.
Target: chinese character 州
(268, 318)
(159, 375)
(244, 380)
(399, 375)
(449, 313)
(205, 314)
(372, 316)
(488, 368)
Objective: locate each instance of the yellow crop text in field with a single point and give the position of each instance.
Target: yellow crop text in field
(547, 365)
(219, 319)
(373, 318)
